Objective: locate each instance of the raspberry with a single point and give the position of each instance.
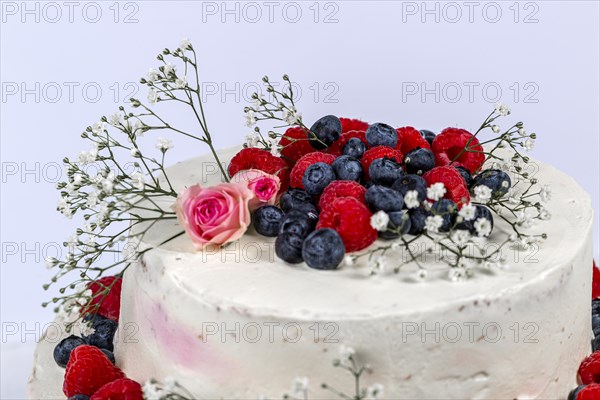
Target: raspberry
(339, 189)
(349, 124)
(121, 389)
(379, 152)
(295, 144)
(456, 188)
(105, 304)
(450, 145)
(304, 162)
(338, 146)
(88, 370)
(589, 370)
(409, 139)
(595, 281)
(253, 158)
(352, 220)
(590, 392)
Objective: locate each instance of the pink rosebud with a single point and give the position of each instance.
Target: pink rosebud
(214, 216)
(264, 186)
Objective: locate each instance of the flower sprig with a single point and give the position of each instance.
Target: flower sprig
(118, 188)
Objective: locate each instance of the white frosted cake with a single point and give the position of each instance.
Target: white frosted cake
(240, 323)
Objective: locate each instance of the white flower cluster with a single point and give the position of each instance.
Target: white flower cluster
(380, 221)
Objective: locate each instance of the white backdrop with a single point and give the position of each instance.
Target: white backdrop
(426, 64)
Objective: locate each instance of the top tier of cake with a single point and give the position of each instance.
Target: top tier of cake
(257, 280)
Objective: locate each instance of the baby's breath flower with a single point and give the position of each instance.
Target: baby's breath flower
(528, 144)
(114, 119)
(495, 128)
(181, 83)
(152, 75)
(522, 132)
(374, 392)
(250, 118)
(153, 96)
(163, 144)
(467, 212)
(433, 223)
(291, 116)
(483, 227)
(380, 220)
(482, 193)
(299, 386)
(546, 193)
(185, 44)
(502, 109)
(436, 191)
(411, 199)
(461, 237)
(169, 69)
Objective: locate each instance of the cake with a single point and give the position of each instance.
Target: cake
(348, 259)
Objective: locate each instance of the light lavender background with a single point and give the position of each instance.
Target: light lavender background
(381, 61)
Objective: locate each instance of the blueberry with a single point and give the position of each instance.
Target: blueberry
(480, 212)
(428, 135)
(347, 168)
(596, 344)
(327, 129)
(575, 392)
(63, 350)
(293, 198)
(381, 198)
(412, 182)
(354, 148)
(419, 161)
(380, 134)
(109, 355)
(596, 306)
(323, 249)
(308, 209)
(385, 171)
(596, 324)
(399, 225)
(79, 397)
(417, 220)
(288, 247)
(447, 210)
(103, 335)
(317, 177)
(497, 180)
(267, 220)
(466, 174)
(299, 223)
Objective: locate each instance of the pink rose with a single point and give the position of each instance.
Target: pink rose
(214, 216)
(264, 186)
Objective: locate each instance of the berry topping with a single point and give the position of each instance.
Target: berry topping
(380, 134)
(88, 370)
(427, 135)
(293, 198)
(454, 145)
(456, 188)
(348, 168)
(253, 158)
(288, 247)
(121, 389)
(398, 225)
(63, 349)
(299, 223)
(352, 220)
(573, 394)
(323, 249)
(385, 171)
(339, 189)
(589, 370)
(447, 210)
(590, 392)
(412, 182)
(595, 281)
(106, 298)
(497, 180)
(338, 146)
(349, 124)
(417, 220)
(327, 130)
(409, 139)
(354, 148)
(104, 333)
(304, 162)
(465, 174)
(267, 220)
(295, 143)
(379, 152)
(418, 161)
(382, 198)
(317, 177)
